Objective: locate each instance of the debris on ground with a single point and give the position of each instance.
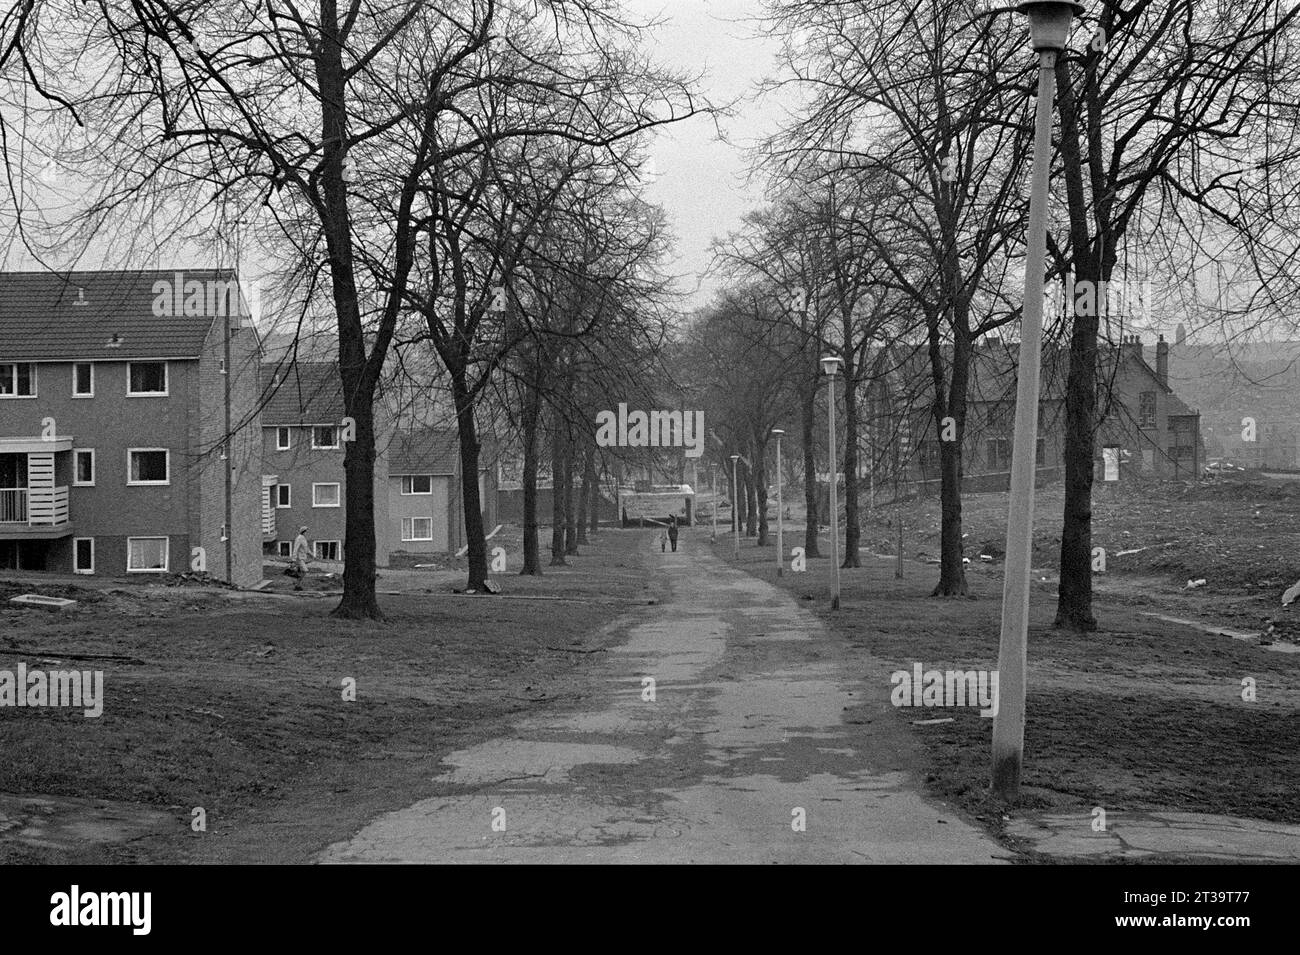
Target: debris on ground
(1193, 584)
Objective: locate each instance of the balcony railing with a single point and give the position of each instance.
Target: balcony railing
(13, 505)
(35, 506)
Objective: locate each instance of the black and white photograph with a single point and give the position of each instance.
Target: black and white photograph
(650, 432)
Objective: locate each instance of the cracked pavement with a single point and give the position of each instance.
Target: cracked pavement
(745, 736)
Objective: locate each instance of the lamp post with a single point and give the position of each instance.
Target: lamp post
(780, 527)
(830, 367)
(714, 536)
(735, 514)
(1049, 29)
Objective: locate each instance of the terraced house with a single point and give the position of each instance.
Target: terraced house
(418, 483)
(129, 438)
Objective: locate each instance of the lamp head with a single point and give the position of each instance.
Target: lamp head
(778, 431)
(831, 365)
(1049, 22)
(735, 458)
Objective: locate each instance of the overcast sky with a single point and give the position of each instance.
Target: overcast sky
(700, 179)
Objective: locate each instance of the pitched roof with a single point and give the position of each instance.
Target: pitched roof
(67, 316)
(301, 393)
(424, 451)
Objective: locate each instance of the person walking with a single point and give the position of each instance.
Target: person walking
(301, 554)
(672, 532)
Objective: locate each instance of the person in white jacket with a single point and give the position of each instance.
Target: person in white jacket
(301, 554)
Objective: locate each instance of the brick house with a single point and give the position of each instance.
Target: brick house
(1145, 429)
(117, 393)
(417, 477)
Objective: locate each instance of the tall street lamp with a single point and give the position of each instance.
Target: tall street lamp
(780, 527)
(830, 367)
(714, 536)
(735, 513)
(1049, 29)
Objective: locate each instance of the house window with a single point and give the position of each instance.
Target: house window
(282, 439)
(146, 378)
(417, 484)
(1147, 409)
(83, 380)
(327, 550)
(283, 495)
(417, 528)
(325, 437)
(83, 555)
(18, 380)
(146, 554)
(83, 467)
(284, 548)
(930, 460)
(999, 453)
(148, 466)
(325, 495)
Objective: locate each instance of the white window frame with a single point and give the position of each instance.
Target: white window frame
(333, 484)
(289, 496)
(408, 481)
(325, 447)
(284, 548)
(167, 380)
(32, 366)
(288, 438)
(408, 529)
(317, 546)
(83, 394)
(91, 483)
(167, 556)
(131, 483)
(75, 568)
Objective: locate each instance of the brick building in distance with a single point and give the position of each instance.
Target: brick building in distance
(129, 440)
(1145, 430)
(418, 483)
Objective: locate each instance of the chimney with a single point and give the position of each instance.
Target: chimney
(1131, 346)
(1162, 361)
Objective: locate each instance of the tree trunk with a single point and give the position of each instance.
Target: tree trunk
(1074, 593)
(760, 489)
(586, 499)
(570, 482)
(852, 528)
(357, 375)
(952, 572)
(473, 505)
(557, 498)
(531, 412)
(810, 469)
(751, 504)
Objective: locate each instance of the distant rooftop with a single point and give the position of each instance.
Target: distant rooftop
(98, 316)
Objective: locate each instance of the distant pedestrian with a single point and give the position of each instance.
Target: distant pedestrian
(663, 541)
(672, 532)
(301, 554)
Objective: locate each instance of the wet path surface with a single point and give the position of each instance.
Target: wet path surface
(744, 739)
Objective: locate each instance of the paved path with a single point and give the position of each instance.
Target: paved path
(746, 735)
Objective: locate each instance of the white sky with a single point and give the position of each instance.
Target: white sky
(700, 179)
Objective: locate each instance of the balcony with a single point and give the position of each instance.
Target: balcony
(34, 512)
